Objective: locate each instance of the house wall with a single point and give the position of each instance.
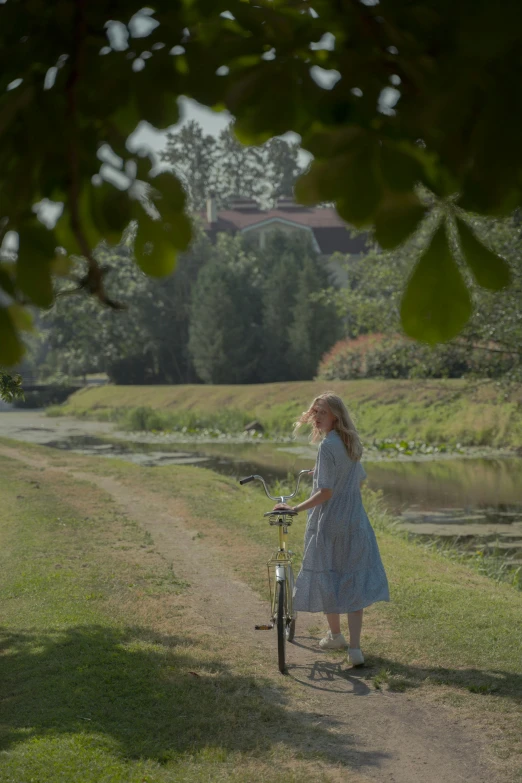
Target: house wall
(262, 232)
(259, 234)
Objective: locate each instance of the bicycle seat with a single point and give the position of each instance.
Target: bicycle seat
(281, 513)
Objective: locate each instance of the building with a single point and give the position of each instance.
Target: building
(328, 232)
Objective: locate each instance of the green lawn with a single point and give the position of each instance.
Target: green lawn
(97, 648)
(449, 633)
(97, 654)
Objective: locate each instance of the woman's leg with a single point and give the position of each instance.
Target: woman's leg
(334, 621)
(354, 626)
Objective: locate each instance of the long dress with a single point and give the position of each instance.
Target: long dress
(342, 570)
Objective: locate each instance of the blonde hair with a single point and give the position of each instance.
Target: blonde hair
(343, 424)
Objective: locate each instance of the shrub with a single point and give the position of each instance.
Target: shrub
(394, 356)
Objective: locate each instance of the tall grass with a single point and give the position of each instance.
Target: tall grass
(431, 412)
(226, 421)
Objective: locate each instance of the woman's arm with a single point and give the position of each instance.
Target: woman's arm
(321, 496)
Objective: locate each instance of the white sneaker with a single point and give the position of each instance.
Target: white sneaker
(331, 642)
(355, 656)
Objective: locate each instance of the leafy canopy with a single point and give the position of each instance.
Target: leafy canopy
(385, 96)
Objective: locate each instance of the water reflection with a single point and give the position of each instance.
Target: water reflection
(461, 483)
(456, 483)
(471, 502)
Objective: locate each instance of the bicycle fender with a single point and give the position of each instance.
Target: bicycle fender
(280, 573)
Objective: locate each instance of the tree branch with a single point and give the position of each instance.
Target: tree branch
(94, 278)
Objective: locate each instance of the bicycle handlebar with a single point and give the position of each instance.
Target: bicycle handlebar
(282, 498)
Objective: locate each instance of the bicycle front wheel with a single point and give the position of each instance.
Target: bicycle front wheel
(290, 619)
(281, 626)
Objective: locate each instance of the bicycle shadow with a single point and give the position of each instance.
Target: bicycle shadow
(325, 674)
(333, 674)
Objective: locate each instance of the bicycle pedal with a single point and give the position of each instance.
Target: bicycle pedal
(264, 627)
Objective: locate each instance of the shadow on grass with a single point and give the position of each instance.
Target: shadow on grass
(333, 675)
(151, 697)
(491, 681)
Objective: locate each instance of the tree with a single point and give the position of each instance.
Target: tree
(224, 315)
(224, 337)
(282, 167)
(240, 170)
(278, 301)
(314, 326)
(291, 269)
(226, 169)
(496, 325)
(147, 343)
(385, 96)
(193, 155)
(491, 340)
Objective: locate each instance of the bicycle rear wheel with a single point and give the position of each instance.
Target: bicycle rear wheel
(281, 626)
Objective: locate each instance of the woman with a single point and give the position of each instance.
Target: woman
(342, 569)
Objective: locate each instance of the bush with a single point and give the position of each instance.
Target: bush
(394, 356)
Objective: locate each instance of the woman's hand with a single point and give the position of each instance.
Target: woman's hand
(282, 507)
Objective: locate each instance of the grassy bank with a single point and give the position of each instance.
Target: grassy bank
(104, 677)
(95, 622)
(432, 411)
(434, 640)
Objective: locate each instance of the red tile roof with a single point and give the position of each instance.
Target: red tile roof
(330, 231)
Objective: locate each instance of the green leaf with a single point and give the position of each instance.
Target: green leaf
(155, 252)
(359, 211)
(62, 264)
(111, 211)
(11, 347)
(159, 240)
(400, 170)
(489, 269)
(361, 186)
(489, 196)
(170, 192)
(437, 303)
(397, 218)
(326, 142)
(351, 179)
(6, 279)
(157, 104)
(21, 318)
(36, 252)
(311, 187)
(265, 99)
(66, 236)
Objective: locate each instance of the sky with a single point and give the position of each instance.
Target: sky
(212, 123)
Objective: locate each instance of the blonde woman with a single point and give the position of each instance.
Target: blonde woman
(342, 571)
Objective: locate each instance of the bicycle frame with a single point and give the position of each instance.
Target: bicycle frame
(281, 559)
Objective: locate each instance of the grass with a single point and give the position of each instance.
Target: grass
(450, 635)
(103, 675)
(472, 413)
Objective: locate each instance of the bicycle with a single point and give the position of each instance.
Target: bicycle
(280, 564)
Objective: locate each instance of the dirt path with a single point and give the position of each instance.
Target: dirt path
(381, 736)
